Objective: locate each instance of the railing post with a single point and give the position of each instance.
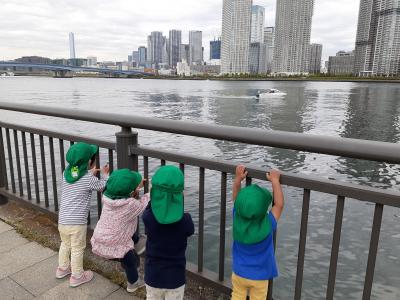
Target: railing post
(126, 138)
(3, 171)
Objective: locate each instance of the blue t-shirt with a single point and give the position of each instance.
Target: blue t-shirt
(256, 261)
(165, 263)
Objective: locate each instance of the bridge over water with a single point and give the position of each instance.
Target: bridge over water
(66, 71)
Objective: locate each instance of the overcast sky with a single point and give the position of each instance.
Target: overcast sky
(111, 29)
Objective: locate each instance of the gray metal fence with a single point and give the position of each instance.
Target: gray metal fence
(41, 149)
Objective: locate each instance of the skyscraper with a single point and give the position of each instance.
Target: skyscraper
(215, 49)
(235, 40)
(135, 58)
(175, 41)
(71, 45)
(269, 41)
(257, 24)
(142, 56)
(377, 50)
(257, 64)
(155, 44)
(315, 58)
(165, 51)
(292, 36)
(195, 45)
(185, 53)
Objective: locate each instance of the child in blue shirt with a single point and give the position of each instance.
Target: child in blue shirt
(253, 226)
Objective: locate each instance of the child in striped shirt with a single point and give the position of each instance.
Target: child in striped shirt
(79, 181)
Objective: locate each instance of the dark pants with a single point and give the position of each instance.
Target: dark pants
(130, 263)
(135, 237)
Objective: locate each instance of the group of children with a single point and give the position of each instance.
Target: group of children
(167, 227)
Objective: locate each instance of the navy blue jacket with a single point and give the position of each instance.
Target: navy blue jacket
(165, 263)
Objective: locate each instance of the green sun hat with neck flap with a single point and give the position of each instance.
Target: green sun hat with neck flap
(122, 183)
(167, 194)
(251, 224)
(78, 157)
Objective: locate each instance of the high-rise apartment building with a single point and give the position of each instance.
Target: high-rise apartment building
(142, 56)
(315, 59)
(257, 64)
(135, 58)
(174, 46)
(292, 36)
(235, 40)
(196, 47)
(269, 41)
(155, 48)
(165, 51)
(215, 49)
(71, 45)
(257, 24)
(185, 53)
(377, 50)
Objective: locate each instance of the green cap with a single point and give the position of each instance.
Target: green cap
(78, 157)
(250, 222)
(166, 194)
(122, 183)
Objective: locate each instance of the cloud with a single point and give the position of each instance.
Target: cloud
(110, 30)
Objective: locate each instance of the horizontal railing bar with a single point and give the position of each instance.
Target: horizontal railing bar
(354, 148)
(59, 135)
(348, 190)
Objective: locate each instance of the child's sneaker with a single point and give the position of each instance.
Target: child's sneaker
(61, 273)
(132, 287)
(140, 246)
(77, 281)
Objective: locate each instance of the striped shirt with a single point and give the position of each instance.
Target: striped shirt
(75, 199)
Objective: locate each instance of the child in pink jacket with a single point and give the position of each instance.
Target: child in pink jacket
(112, 238)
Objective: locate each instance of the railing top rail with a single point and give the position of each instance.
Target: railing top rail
(353, 148)
(59, 135)
(349, 190)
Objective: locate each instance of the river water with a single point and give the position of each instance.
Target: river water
(354, 110)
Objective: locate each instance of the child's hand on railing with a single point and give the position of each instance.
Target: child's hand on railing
(240, 173)
(273, 176)
(141, 184)
(105, 169)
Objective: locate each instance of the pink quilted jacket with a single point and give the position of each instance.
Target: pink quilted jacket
(112, 237)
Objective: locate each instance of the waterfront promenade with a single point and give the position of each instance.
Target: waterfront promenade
(27, 272)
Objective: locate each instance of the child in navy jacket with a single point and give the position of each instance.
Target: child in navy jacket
(167, 228)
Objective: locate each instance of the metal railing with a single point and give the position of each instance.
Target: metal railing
(128, 152)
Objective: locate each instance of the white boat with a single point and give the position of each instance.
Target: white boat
(269, 93)
(6, 74)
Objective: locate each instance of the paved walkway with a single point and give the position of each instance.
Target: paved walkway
(27, 271)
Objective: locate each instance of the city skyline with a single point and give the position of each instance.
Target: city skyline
(111, 30)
